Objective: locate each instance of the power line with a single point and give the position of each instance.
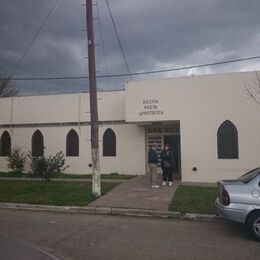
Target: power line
(21, 68)
(138, 73)
(34, 37)
(24, 69)
(119, 41)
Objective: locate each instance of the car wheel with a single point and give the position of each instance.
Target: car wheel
(253, 225)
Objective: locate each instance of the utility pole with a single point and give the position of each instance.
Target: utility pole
(96, 186)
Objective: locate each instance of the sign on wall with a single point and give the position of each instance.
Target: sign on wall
(151, 107)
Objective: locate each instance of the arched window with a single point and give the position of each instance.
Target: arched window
(37, 144)
(227, 141)
(109, 143)
(72, 143)
(5, 144)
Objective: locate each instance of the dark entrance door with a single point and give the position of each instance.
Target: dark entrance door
(174, 142)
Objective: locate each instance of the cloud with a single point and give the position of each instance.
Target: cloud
(155, 35)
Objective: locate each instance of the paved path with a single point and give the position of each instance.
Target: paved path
(84, 237)
(137, 193)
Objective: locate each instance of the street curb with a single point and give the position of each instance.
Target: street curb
(111, 211)
(196, 216)
(145, 213)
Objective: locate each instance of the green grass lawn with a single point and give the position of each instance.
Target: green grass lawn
(68, 176)
(194, 199)
(55, 193)
(13, 174)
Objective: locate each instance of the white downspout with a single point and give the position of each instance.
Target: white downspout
(79, 107)
(11, 115)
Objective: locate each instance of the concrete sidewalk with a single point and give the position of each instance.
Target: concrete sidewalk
(138, 194)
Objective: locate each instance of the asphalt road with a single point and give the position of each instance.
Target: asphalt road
(12, 248)
(82, 236)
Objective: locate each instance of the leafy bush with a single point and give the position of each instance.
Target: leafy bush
(16, 160)
(47, 167)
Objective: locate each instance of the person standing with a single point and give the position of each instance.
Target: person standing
(153, 160)
(167, 164)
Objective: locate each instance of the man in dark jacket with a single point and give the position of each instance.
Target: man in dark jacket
(153, 160)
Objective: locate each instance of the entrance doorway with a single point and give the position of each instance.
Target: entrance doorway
(166, 135)
(174, 142)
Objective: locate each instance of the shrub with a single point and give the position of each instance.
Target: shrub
(16, 160)
(114, 173)
(47, 167)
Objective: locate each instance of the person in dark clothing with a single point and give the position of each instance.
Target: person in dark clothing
(152, 161)
(167, 164)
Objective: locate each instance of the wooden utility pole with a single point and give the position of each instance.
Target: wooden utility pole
(96, 187)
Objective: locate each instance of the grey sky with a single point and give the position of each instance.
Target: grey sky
(155, 35)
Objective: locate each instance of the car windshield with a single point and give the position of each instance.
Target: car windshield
(249, 175)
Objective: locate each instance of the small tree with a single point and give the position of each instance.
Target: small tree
(16, 160)
(47, 167)
(6, 90)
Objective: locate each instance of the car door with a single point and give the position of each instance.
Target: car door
(255, 191)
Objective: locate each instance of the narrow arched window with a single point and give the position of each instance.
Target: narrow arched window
(109, 143)
(5, 144)
(72, 143)
(227, 141)
(37, 144)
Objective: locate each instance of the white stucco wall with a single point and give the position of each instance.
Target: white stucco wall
(61, 108)
(74, 108)
(129, 138)
(131, 150)
(202, 103)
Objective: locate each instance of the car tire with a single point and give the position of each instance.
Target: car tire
(253, 225)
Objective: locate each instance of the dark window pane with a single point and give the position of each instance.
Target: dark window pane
(227, 141)
(109, 143)
(5, 144)
(72, 143)
(37, 144)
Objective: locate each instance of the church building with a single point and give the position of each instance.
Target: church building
(210, 122)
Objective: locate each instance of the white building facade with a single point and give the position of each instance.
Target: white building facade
(211, 124)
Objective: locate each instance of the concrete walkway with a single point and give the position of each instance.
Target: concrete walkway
(138, 194)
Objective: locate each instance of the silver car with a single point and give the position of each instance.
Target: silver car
(239, 200)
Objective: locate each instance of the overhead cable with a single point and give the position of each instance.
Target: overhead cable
(139, 73)
(119, 41)
(34, 37)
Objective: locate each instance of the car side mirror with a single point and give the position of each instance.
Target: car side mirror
(259, 184)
